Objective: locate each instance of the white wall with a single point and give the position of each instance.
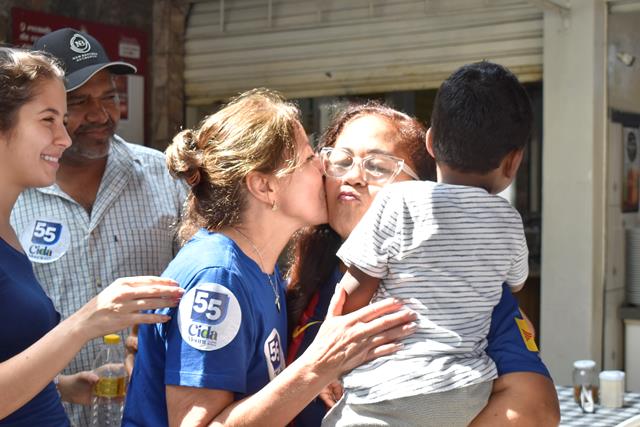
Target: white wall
(573, 187)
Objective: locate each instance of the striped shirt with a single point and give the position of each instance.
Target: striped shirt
(129, 232)
(445, 249)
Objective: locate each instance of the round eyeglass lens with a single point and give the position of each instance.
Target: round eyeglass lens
(380, 168)
(337, 162)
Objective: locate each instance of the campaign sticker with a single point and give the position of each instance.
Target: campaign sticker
(527, 335)
(45, 240)
(209, 316)
(274, 354)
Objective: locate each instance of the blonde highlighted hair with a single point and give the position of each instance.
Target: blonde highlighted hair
(255, 131)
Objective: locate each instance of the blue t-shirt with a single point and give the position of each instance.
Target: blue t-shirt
(506, 344)
(26, 314)
(226, 334)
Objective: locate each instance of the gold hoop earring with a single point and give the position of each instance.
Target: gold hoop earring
(274, 207)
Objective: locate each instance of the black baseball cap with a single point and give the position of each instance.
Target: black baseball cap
(81, 55)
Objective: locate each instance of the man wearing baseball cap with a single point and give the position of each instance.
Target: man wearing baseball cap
(110, 212)
(81, 55)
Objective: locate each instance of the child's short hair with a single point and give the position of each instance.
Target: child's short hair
(480, 114)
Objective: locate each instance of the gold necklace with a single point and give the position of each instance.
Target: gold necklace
(273, 286)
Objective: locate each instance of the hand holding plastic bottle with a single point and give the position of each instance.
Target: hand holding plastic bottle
(78, 387)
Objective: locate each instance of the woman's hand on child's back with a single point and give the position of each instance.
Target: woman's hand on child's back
(347, 341)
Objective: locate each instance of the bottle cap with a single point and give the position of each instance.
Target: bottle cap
(584, 364)
(111, 339)
(612, 375)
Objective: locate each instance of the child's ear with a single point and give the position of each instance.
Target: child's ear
(511, 163)
(429, 142)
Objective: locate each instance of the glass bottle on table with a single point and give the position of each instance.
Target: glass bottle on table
(585, 384)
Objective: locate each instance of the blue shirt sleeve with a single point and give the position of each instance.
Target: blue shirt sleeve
(209, 340)
(506, 345)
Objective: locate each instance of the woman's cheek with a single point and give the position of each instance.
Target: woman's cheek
(323, 204)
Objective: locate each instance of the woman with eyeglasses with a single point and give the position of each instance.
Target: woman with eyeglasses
(221, 359)
(366, 147)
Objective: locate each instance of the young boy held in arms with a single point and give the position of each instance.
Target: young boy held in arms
(446, 248)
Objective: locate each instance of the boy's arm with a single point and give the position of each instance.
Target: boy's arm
(517, 287)
(517, 275)
(359, 287)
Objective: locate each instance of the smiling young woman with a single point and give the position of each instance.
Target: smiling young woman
(30, 152)
(32, 132)
(37, 345)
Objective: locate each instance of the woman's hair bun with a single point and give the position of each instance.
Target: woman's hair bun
(184, 157)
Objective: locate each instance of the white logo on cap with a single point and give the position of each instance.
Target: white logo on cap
(79, 43)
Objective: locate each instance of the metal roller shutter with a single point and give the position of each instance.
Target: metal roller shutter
(307, 48)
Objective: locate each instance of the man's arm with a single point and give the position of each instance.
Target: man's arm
(130, 349)
(78, 387)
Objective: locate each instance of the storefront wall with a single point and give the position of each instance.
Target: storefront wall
(309, 48)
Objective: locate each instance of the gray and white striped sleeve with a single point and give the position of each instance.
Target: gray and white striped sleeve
(374, 240)
(519, 270)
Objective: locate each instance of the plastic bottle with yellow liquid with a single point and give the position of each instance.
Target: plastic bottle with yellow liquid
(111, 388)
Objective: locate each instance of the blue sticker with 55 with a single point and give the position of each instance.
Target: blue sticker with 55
(209, 316)
(209, 307)
(46, 233)
(45, 240)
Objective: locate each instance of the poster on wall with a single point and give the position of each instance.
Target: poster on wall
(631, 169)
(120, 43)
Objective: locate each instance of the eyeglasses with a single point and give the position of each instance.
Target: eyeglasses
(378, 168)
